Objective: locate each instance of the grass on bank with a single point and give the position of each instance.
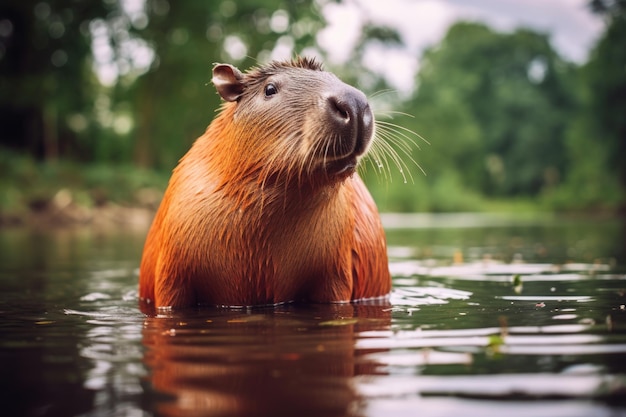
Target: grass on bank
(29, 186)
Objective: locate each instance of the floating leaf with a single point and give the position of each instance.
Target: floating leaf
(518, 286)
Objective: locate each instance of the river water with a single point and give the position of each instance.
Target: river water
(489, 316)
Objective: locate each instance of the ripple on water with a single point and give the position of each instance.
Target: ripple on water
(436, 353)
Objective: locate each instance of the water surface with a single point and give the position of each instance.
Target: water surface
(488, 316)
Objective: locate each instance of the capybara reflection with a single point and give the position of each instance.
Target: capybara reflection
(267, 207)
(277, 361)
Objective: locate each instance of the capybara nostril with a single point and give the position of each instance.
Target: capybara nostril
(350, 111)
(340, 109)
(348, 105)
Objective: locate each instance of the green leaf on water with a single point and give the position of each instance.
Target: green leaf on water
(494, 345)
(495, 341)
(518, 286)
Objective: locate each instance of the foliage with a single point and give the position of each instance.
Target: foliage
(30, 185)
(505, 116)
(596, 137)
(495, 108)
(46, 83)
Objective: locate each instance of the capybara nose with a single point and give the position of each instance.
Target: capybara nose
(350, 111)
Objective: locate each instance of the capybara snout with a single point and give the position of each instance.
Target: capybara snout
(349, 113)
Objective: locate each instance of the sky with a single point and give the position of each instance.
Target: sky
(572, 28)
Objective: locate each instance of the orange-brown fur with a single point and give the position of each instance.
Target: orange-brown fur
(253, 215)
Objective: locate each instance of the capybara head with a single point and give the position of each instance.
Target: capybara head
(294, 121)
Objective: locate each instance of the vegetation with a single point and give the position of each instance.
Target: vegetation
(505, 117)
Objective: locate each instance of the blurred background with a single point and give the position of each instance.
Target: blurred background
(522, 103)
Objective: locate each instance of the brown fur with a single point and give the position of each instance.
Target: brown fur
(266, 207)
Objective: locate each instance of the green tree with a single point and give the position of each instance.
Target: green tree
(46, 82)
(606, 78)
(596, 139)
(495, 108)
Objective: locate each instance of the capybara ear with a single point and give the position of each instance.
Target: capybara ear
(228, 81)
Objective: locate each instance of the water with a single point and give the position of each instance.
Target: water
(489, 316)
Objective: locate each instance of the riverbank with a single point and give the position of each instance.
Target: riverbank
(62, 193)
(62, 210)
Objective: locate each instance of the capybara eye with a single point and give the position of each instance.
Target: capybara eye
(270, 90)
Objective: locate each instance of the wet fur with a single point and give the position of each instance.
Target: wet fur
(253, 215)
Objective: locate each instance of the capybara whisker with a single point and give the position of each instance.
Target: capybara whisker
(389, 134)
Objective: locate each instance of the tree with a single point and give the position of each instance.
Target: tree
(45, 53)
(495, 107)
(605, 76)
(596, 138)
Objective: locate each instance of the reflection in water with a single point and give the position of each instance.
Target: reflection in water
(276, 361)
(493, 320)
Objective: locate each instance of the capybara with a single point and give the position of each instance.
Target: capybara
(267, 207)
